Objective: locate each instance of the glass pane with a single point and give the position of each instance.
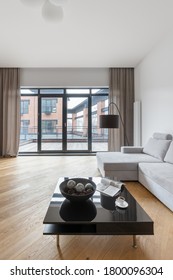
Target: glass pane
(78, 91)
(51, 124)
(28, 91)
(99, 135)
(100, 91)
(29, 129)
(77, 123)
(52, 91)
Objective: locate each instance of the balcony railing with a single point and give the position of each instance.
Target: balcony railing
(76, 133)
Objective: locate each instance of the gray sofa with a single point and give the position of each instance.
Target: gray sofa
(151, 165)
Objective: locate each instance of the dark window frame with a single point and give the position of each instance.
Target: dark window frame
(104, 91)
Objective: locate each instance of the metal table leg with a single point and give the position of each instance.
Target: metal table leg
(134, 242)
(57, 240)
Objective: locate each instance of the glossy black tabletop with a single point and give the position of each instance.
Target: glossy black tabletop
(99, 213)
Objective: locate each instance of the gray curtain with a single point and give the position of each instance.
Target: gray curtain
(9, 111)
(121, 87)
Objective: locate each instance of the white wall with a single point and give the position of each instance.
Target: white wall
(154, 88)
(64, 77)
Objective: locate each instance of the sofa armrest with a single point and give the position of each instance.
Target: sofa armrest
(131, 149)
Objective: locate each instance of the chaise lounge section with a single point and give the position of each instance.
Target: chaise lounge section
(151, 165)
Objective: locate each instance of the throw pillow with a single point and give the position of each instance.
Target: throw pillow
(156, 148)
(169, 154)
(163, 136)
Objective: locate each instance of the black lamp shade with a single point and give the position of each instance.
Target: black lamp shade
(109, 121)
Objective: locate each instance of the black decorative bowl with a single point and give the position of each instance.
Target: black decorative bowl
(78, 196)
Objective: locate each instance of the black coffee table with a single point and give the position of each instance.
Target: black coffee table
(96, 216)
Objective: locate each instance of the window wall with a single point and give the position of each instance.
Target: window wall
(29, 122)
(63, 120)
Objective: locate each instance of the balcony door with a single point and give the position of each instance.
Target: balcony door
(51, 124)
(63, 130)
(77, 123)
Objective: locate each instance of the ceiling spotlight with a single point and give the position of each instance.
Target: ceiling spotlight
(52, 13)
(32, 2)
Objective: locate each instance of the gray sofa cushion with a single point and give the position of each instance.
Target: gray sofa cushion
(161, 173)
(122, 161)
(169, 154)
(162, 136)
(156, 148)
(131, 149)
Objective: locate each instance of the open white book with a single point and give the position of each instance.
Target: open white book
(109, 187)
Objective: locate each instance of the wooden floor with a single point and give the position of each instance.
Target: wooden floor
(26, 186)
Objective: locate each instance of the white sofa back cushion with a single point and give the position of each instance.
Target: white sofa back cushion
(156, 148)
(169, 155)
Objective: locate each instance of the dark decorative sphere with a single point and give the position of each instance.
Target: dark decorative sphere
(77, 189)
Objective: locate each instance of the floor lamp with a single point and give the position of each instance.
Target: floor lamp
(112, 121)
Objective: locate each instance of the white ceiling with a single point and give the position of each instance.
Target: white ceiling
(93, 33)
